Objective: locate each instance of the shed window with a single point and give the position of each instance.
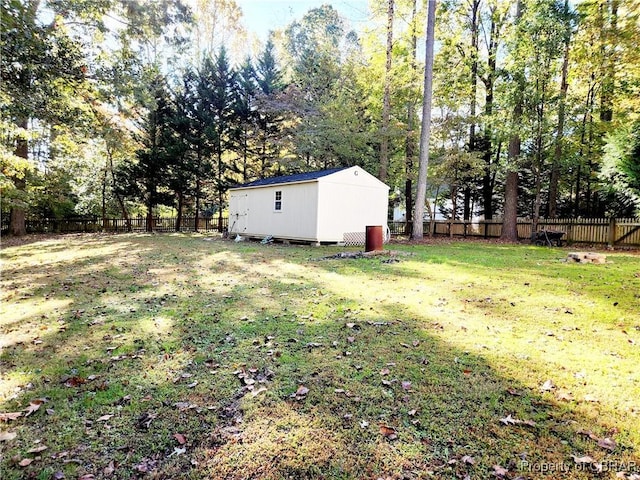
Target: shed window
(278, 203)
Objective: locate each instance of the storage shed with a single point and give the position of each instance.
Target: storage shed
(317, 207)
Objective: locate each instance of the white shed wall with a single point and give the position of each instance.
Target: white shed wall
(297, 220)
(348, 203)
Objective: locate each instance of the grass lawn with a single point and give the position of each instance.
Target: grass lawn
(183, 356)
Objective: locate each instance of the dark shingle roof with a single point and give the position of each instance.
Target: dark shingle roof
(298, 177)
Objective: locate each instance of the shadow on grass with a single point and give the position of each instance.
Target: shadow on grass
(191, 371)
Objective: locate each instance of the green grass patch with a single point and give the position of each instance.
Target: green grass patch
(182, 356)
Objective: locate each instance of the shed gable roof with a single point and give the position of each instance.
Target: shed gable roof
(298, 177)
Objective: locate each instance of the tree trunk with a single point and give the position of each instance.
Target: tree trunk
(179, 214)
(538, 198)
(489, 173)
(386, 101)
(466, 202)
(197, 214)
(17, 217)
(408, 206)
(539, 158)
(510, 217)
(576, 203)
(410, 144)
(220, 219)
(149, 221)
(557, 153)
(586, 122)
(425, 132)
(104, 196)
(454, 207)
(609, 33)
(245, 154)
(475, 5)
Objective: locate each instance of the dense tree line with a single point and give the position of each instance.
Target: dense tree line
(122, 107)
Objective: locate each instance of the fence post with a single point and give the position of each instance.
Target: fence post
(612, 232)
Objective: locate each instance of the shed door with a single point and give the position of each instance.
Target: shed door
(242, 214)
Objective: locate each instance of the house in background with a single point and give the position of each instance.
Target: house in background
(328, 206)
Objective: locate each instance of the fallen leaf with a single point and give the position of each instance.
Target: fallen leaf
(364, 424)
(588, 433)
(74, 381)
(583, 460)
(300, 393)
(546, 386)
(388, 432)
(180, 438)
(411, 413)
(5, 417)
(406, 385)
(124, 400)
(38, 449)
(34, 405)
(607, 443)
(178, 451)
(385, 371)
(6, 436)
(258, 391)
(104, 418)
(499, 471)
(109, 469)
(145, 466)
(564, 396)
(468, 459)
(58, 475)
(25, 462)
(508, 420)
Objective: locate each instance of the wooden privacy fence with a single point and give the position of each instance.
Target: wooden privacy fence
(619, 232)
(118, 225)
